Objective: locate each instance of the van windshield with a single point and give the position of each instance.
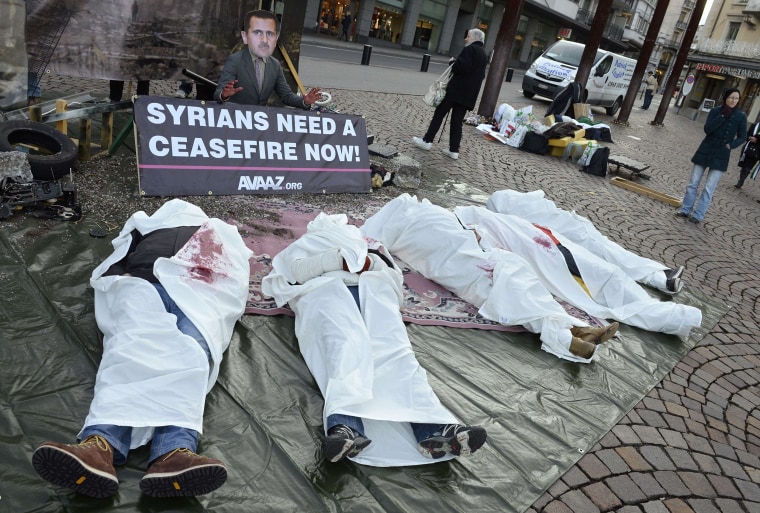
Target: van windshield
(568, 53)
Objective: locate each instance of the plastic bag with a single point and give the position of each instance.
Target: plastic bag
(518, 136)
(437, 89)
(585, 159)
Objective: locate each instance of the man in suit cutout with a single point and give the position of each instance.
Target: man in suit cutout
(238, 82)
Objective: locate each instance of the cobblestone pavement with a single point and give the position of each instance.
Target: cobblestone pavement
(693, 443)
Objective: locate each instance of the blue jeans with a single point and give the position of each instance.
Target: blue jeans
(647, 99)
(421, 431)
(711, 182)
(165, 438)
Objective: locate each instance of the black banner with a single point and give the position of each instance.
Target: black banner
(191, 148)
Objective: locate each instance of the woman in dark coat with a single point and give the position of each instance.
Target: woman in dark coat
(468, 73)
(750, 154)
(726, 128)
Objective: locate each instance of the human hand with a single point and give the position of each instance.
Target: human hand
(726, 111)
(753, 139)
(312, 96)
(229, 90)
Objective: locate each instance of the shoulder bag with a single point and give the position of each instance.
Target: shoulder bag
(437, 89)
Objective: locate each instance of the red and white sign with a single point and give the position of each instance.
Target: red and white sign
(688, 84)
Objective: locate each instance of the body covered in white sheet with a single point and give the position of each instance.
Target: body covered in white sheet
(535, 207)
(501, 284)
(151, 374)
(361, 358)
(609, 292)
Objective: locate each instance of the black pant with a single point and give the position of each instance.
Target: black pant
(743, 174)
(116, 89)
(458, 112)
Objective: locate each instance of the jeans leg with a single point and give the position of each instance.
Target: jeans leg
(438, 116)
(168, 438)
(184, 324)
(691, 190)
(354, 423)
(711, 182)
(120, 438)
(423, 431)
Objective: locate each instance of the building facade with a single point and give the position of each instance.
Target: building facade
(726, 54)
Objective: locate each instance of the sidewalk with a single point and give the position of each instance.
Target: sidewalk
(693, 444)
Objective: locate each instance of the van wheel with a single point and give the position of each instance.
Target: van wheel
(51, 154)
(612, 109)
(528, 94)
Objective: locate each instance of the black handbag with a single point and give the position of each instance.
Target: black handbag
(535, 143)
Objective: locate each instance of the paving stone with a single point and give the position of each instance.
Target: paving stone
(724, 450)
(633, 458)
(647, 484)
(729, 506)
(649, 435)
(672, 483)
(626, 489)
(657, 457)
(557, 507)
(593, 467)
(655, 507)
(681, 459)
(542, 501)
(698, 484)
(574, 478)
(675, 423)
(703, 506)
(578, 502)
(678, 506)
(558, 488)
(613, 461)
(699, 443)
(628, 509)
(674, 439)
(653, 419)
(750, 491)
(677, 409)
(732, 469)
(707, 463)
(724, 486)
(626, 435)
(602, 497)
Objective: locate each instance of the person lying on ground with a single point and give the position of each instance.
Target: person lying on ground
(166, 301)
(574, 274)
(501, 284)
(535, 207)
(379, 408)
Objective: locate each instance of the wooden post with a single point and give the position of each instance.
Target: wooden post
(35, 113)
(106, 130)
(63, 125)
(85, 129)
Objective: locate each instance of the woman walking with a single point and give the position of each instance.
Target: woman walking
(750, 154)
(726, 128)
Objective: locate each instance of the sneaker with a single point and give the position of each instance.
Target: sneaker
(681, 214)
(182, 473)
(453, 154)
(421, 143)
(455, 439)
(694, 220)
(342, 442)
(675, 272)
(85, 468)
(595, 335)
(582, 348)
(180, 94)
(673, 285)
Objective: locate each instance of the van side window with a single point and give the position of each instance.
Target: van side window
(604, 66)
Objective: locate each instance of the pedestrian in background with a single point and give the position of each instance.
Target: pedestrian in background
(468, 72)
(750, 154)
(649, 92)
(346, 24)
(726, 128)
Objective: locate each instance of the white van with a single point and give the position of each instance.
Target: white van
(555, 69)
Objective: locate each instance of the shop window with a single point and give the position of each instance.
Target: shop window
(422, 34)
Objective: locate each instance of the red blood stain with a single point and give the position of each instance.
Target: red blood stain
(205, 254)
(543, 241)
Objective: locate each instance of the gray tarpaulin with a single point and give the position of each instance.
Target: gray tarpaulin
(263, 418)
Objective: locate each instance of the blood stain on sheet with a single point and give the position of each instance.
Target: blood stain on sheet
(205, 254)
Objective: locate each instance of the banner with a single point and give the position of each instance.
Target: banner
(189, 148)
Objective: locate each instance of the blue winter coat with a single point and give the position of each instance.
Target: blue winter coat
(712, 152)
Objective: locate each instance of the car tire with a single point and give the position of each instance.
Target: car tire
(55, 154)
(612, 109)
(528, 94)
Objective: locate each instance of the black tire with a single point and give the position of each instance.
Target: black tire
(527, 94)
(54, 155)
(612, 109)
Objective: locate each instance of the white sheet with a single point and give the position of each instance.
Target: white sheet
(151, 374)
(534, 207)
(613, 294)
(362, 360)
(501, 284)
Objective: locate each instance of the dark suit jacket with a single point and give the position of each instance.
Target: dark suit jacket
(239, 66)
(468, 73)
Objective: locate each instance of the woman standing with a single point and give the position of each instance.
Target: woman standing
(750, 154)
(726, 128)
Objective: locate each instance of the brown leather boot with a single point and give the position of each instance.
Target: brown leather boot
(595, 335)
(85, 468)
(182, 473)
(581, 348)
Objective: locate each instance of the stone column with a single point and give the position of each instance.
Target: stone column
(411, 16)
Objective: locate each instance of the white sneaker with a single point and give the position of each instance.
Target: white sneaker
(454, 155)
(422, 144)
(180, 94)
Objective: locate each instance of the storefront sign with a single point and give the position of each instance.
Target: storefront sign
(188, 148)
(565, 33)
(728, 70)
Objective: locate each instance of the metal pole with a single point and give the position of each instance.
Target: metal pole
(425, 62)
(366, 55)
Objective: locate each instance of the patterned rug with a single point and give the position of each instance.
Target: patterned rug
(280, 221)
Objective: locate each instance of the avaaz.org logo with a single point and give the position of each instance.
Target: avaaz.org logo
(257, 183)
